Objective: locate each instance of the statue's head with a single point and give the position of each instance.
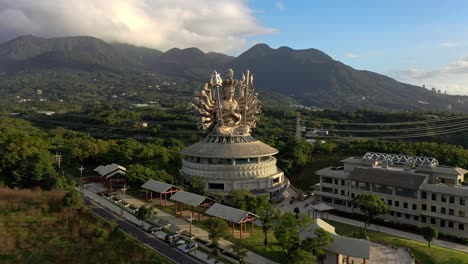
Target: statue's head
(229, 91)
(230, 81)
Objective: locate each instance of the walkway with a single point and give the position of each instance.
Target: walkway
(285, 206)
(180, 223)
(399, 233)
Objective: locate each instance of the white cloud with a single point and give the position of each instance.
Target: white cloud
(450, 44)
(221, 25)
(452, 77)
(279, 5)
(352, 55)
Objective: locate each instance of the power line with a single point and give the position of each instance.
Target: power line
(399, 130)
(391, 124)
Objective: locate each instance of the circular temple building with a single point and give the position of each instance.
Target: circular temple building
(229, 158)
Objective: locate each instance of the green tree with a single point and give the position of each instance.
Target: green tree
(72, 199)
(218, 228)
(267, 215)
(143, 213)
(303, 257)
(197, 185)
(238, 248)
(287, 230)
(318, 242)
(371, 205)
(429, 233)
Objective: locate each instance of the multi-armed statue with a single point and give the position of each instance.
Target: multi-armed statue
(227, 114)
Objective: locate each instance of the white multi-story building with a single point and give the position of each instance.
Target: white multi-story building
(417, 190)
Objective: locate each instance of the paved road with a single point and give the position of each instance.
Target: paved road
(134, 230)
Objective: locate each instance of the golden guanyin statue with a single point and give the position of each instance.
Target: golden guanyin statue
(226, 113)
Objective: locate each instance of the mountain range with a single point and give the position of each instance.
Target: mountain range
(308, 76)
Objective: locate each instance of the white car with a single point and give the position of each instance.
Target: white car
(190, 247)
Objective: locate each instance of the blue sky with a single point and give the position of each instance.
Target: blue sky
(413, 41)
(409, 40)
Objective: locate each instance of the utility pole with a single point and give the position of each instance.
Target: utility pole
(123, 201)
(81, 169)
(298, 126)
(190, 230)
(58, 159)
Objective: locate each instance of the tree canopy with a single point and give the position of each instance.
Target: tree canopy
(429, 233)
(371, 205)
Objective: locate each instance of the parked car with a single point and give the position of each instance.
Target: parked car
(153, 229)
(171, 237)
(177, 242)
(190, 247)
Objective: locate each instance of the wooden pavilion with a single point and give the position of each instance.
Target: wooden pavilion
(193, 200)
(162, 189)
(234, 216)
(112, 175)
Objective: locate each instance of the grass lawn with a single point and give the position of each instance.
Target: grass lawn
(255, 243)
(423, 254)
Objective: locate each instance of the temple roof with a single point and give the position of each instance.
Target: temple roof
(229, 150)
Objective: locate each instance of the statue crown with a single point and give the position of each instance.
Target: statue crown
(230, 81)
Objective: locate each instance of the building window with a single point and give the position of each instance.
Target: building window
(443, 210)
(433, 221)
(443, 198)
(352, 195)
(415, 207)
(327, 189)
(404, 192)
(398, 214)
(405, 205)
(451, 212)
(364, 186)
(434, 197)
(462, 201)
(423, 195)
(392, 213)
(327, 180)
(338, 202)
(450, 224)
(343, 182)
(442, 223)
(336, 191)
(397, 203)
(461, 226)
(423, 219)
(416, 218)
(216, 186)
(342, 192)
(276, 180)
(336, 181)
(461, 213)
(382, 189)
(433, 208)
(407, 216)
(451, 199)
(389, 202)
(423, 207)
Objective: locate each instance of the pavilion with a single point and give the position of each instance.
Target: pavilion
(112, 174)
(191, 199)
(342, 249)
(164, 190)
(234, 216)
(318, 210)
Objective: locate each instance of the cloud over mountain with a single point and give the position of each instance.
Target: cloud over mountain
(163, 24)
(451, 77)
